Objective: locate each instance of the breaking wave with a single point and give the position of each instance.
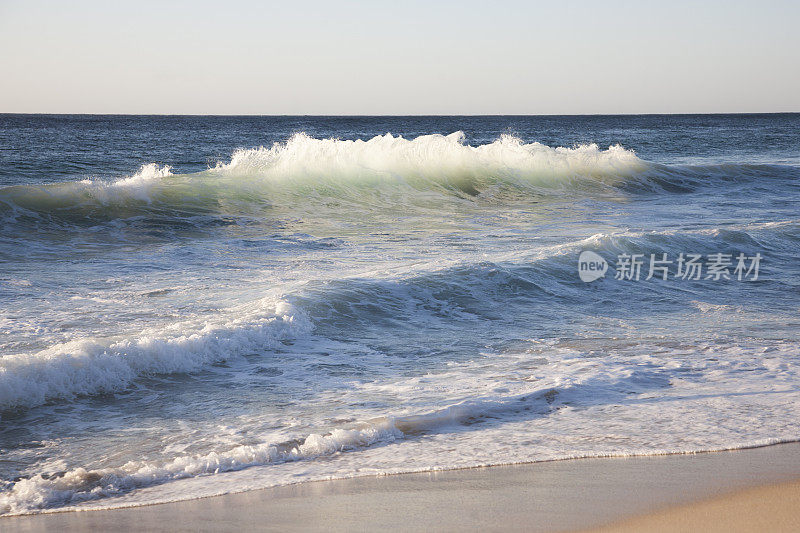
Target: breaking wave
(428, 160)
(92, 366)
(304, 167)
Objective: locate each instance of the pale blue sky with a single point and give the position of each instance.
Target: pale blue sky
(382, 57)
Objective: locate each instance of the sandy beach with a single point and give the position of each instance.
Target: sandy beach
(769, 508)
(737, 490)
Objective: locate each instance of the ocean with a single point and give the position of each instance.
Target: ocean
(192, 306)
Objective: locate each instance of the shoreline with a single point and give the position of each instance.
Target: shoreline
(564, 495)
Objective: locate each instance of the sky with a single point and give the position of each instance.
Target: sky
(380, 57)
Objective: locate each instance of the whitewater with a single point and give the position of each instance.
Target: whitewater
(246, 302)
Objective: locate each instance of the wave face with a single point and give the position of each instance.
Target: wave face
(304, 167)
(347, 302)
(383, 171)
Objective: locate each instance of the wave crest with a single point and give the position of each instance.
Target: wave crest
(91, 366)
(304, 167)
(442, 159)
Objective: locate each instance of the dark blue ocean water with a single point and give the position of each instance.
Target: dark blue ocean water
(194, 305)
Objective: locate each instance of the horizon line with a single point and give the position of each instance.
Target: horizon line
(398, 115)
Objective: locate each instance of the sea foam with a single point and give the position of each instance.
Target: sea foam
(442, 159)
(91, 366)
(81, 484)
(304, 167)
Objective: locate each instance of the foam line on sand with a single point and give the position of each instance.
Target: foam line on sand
(551, 496)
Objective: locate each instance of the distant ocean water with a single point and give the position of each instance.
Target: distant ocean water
(199, 305)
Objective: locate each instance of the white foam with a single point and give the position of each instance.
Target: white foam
(146, 175)
(80, 484)
(565, 406)
(443, 159)
(90, 366)
(333, 166)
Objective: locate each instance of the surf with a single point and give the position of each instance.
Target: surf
(305, 168)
